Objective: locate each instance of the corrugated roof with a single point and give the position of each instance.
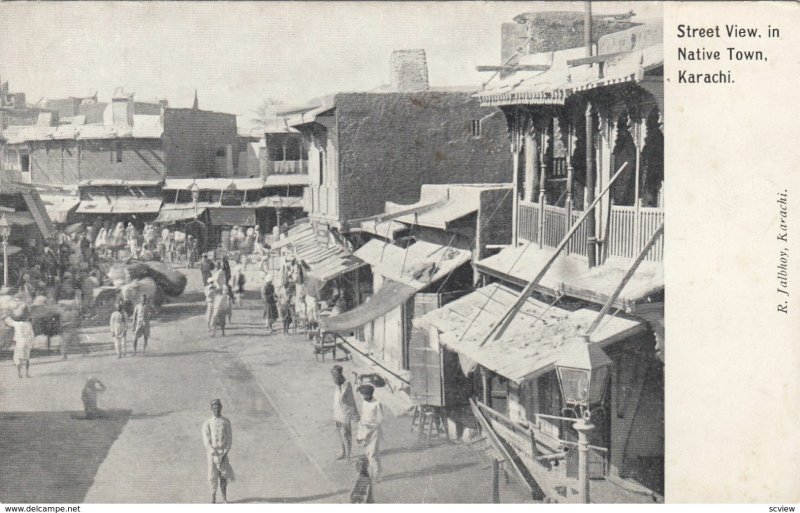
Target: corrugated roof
(417, 266)
(534, 340)
(170, 215)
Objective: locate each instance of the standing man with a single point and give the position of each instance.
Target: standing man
(218, 438)
(206, 266)
(23, 340)
(119, 328)
(141, 323)
(268, 295)
(344, 411)
(370, 433)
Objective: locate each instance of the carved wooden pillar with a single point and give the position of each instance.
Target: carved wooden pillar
(531, 161)
(591, 239)
(542, 176)
(516, 143)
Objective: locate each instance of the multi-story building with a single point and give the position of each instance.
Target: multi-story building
(137, 144)
(583, 274)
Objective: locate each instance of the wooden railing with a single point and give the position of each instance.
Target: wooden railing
(287, 167)
(626, 236)
(559, 168)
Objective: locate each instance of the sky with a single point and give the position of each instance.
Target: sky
(237, 54)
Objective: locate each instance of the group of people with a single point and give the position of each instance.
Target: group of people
(224, 288)
(217, 436)
(286, 299)
(118, 323)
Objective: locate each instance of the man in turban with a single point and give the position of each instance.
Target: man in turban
(218, 438)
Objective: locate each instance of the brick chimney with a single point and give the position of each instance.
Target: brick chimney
(409, 70)
(122, 108)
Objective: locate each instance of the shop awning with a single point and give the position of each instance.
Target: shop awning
(58, 206)
(442, 216)
(286, 179)
(599, 283)
(387, 298)
(19, 218)
(325, 258)
(534, 340)
(521, 264)
(174, 215)
(280, 202)
(385, 229)
(214, 184)
(120, 205)
(232, 216)
(417, 266)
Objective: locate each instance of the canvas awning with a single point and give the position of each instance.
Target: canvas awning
(442, 216)
(120, 205)
(232, 216)
(58, 206)
(598, 284)
(534, 340)
(325, 258)
(19, 218)
(214, 184)
(280, 202)
(521, 264)
(174, 215)
(417, 266)
(387, 298)
(277, 180)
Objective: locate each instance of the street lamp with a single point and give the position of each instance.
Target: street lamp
(583, 371)
(5, 232)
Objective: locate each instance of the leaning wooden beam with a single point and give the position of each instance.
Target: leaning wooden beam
(517, 67)
(388, 217)
(526, 292)
(594, 58)
(625, 279)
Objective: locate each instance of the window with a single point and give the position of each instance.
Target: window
(25, 162)
(475, 124)
(119, 151)
(221, 153)
(321, 167)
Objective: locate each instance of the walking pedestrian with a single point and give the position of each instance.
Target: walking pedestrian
(220, 311)
(23, 340)
(206, 266)
(89, 398)
(362, 489)
(370, 432)
(119, 329)
(344, 411)
(268, 295)
(210, 291)
(141, 323)
(218, 439)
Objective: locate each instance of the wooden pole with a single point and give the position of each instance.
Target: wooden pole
(515, 143)
(542, 184)
(523, 296)
(628, 275)
(495, 481)
(591, 225)
(570, 170)
(587, 28)
(637, 203)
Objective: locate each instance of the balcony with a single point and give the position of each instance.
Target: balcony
(629, 229)
(286, 167)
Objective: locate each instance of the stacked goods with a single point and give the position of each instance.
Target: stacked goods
(132, 292)
(169, 281)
